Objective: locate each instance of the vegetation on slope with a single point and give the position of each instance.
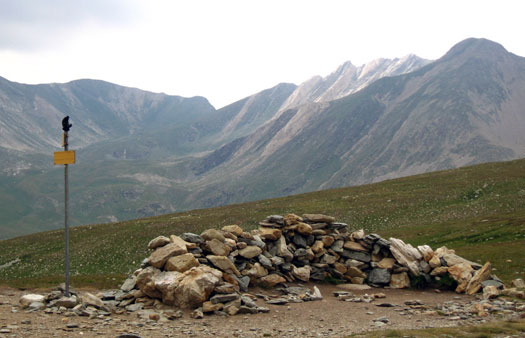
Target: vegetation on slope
(479, 211)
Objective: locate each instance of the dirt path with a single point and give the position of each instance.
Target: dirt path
(328, 317)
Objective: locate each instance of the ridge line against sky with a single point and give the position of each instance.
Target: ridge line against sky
(226, 50)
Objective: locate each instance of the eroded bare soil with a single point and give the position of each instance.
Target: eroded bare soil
(328, 317)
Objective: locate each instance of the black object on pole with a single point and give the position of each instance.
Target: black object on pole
(65, 127)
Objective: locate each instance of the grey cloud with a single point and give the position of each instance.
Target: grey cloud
(34, 24)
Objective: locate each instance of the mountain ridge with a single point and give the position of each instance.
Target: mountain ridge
(461, 109)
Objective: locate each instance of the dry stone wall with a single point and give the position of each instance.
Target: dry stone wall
(210, 271)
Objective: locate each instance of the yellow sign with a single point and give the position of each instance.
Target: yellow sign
(64, 157)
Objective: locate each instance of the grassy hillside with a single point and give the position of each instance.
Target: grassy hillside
(479, 211)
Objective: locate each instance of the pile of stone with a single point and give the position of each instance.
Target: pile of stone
(210, 271)
(57, 302)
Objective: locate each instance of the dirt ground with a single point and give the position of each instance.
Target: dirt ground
(328, 317)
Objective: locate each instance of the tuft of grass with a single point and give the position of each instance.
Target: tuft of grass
(424, 209)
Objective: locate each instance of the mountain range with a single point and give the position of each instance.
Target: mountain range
(141, 153)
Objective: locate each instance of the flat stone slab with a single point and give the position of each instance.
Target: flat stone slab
(354, 287)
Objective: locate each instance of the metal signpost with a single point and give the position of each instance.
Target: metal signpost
(65, 157)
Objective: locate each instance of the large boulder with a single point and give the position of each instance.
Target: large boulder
(304, 228)
(271, 280)
(224, 264)
(406, 255)
(270, 233)
(426, 251)
(89, 299)
(399, 281)
(462, 273)
(145, 282)
(379, 276)
(196, 286)
(159, 257)
(26, 300)
(386, 263)
(178, 240)
(481, 275)
(302, 273)
(210, 234)
(292, 219)
(282, 249)
(354, 246)
(250, 251)
(217, 247)
(157, 242)
(181, 263)
(234, 229)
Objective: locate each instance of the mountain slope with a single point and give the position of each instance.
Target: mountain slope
(31, 114)
(478, 211)
(462, 109)
(450, 113)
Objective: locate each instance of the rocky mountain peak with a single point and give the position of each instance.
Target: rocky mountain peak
(475, 47)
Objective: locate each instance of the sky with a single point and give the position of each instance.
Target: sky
(226, 50)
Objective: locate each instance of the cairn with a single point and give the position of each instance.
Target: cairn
(210, 271)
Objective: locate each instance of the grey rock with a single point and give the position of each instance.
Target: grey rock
(492, 282)
(197, 314)
(135, 307)
(36, 306)
(338, 246)
(337, 226)
(243, 282)
(192, 238)
(246, 309)
(299, 240)
(357, 255)
(257, 241)
(247, 301)
(287, 267)
(383, 243)
(277, 301)
(108, 295)
(301, 254)
(370, 239)
(386, 305)
(381, 319)
(277, 261)
(67, 302)
(129, 284)
(224, 298)
(275, 219)
(265, 262)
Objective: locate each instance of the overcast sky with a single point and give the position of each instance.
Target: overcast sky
(226, 50)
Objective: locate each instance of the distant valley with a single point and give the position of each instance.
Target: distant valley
(142, 154)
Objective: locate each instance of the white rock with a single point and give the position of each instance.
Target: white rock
(25, 300)
(406, 255)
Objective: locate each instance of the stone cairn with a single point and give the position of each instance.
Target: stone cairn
(211, 272)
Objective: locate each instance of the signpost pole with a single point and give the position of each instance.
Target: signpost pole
(66, 225)
(65, 157)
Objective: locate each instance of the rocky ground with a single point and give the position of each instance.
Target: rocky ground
(357, 311)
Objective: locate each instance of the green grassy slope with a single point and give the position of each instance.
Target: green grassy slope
(479, 211)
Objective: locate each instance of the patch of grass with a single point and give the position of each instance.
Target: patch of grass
(445, 282)
(498, 328)
(423, 209)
